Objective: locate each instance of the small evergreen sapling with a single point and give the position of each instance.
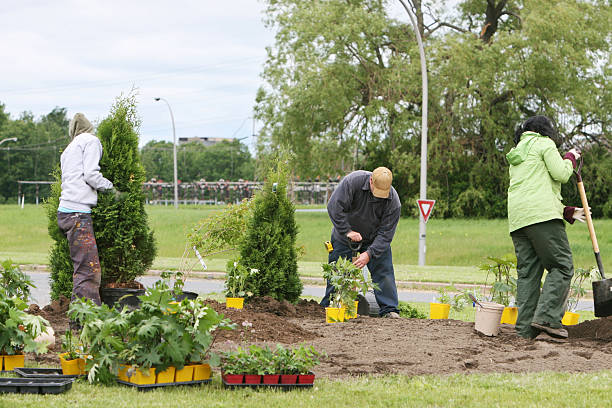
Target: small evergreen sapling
(270, 242)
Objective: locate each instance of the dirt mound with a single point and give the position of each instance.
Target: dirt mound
(303, 309)
(55, 314)
(254, 326)
(592, 329)
(367, 345)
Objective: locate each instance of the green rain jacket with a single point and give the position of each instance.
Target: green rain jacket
(536, 173)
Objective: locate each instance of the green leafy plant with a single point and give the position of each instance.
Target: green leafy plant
(18, 329)
(161, 333)
(236, 279)
(409, 311)
(348, 281)
(503, 289)
(14, 281)
(70, 347)
(443, 295)
(262, 360)
(577, 291)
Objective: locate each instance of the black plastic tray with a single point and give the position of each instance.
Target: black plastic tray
(148, 387)
(285, 387)
(51, 373)
(35, 385)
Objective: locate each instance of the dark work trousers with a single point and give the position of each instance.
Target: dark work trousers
(381, 271)
(78, 228)
(542, 246)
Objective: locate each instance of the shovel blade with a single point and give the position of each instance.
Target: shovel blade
(602, 297)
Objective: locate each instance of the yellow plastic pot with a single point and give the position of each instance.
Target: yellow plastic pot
(438, 310)
(235, 303)
(334, 314)
(122, 374)
(184, 374)
(509, 315)
(570, 319)
(70, 367)
(139, 378)
(201, 372)
(166, 376)
(10, 362)
(348, 316)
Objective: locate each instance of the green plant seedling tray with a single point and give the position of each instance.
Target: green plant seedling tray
(149, 387)
(35, 385)
(284, 387)
(51, 373)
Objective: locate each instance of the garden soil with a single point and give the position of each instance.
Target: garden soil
(379, 346)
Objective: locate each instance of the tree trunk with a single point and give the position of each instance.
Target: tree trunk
(493, 14)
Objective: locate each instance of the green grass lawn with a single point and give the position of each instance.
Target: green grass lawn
(454, 247)
(545, 389)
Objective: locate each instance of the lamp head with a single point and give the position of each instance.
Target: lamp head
(157, 99)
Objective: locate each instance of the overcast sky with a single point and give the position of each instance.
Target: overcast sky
(204, 56)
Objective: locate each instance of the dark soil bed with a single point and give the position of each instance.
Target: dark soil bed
(387, 346)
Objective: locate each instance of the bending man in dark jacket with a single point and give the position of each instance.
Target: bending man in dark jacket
(366, 208)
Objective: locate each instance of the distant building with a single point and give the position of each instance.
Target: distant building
(206, 141)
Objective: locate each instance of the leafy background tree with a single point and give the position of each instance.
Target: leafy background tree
(343, 92)
(34, 155)
(224, 160)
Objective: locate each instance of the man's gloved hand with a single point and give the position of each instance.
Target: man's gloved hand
(573, 155)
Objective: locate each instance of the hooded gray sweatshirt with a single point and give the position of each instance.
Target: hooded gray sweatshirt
(81, 177)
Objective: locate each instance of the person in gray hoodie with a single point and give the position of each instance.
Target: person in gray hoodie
(81, 181)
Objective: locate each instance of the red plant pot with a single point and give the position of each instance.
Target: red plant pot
(288, 378)
(306, 378)
(252, 379)
(271, 378)
(233, 378)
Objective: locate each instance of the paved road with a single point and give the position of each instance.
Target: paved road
(205, 286)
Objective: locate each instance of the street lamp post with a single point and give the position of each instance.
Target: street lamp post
(232, 155)
(423, 189)
(10, 139)
(174, 152)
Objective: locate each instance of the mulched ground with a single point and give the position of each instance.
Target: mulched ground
(387, 346)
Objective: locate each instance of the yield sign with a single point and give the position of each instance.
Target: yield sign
(425, 206)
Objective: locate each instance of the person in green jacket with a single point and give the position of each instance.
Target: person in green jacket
(535, 217)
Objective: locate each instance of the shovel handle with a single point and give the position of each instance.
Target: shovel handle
(589, 221)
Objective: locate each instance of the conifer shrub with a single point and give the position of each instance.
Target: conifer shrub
(59, 254)
(269, 245)
(126, 245)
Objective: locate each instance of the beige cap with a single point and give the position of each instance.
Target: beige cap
(381, 182)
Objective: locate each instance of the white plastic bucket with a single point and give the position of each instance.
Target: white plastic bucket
(488, 317)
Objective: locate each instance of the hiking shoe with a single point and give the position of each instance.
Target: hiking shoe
(392, 315)
(559, 333)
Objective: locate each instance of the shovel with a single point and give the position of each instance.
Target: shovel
(602, 289)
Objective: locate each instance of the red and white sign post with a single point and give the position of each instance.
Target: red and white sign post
(425, 206)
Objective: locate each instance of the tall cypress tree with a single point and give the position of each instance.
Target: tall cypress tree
(126, 245)
(270, 242)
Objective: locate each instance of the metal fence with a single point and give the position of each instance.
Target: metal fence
(199, 193)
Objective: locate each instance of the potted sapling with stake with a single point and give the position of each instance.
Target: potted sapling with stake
(576, 292)
(503, 290)
(235, 281)
(440, 308)
(348, 281)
